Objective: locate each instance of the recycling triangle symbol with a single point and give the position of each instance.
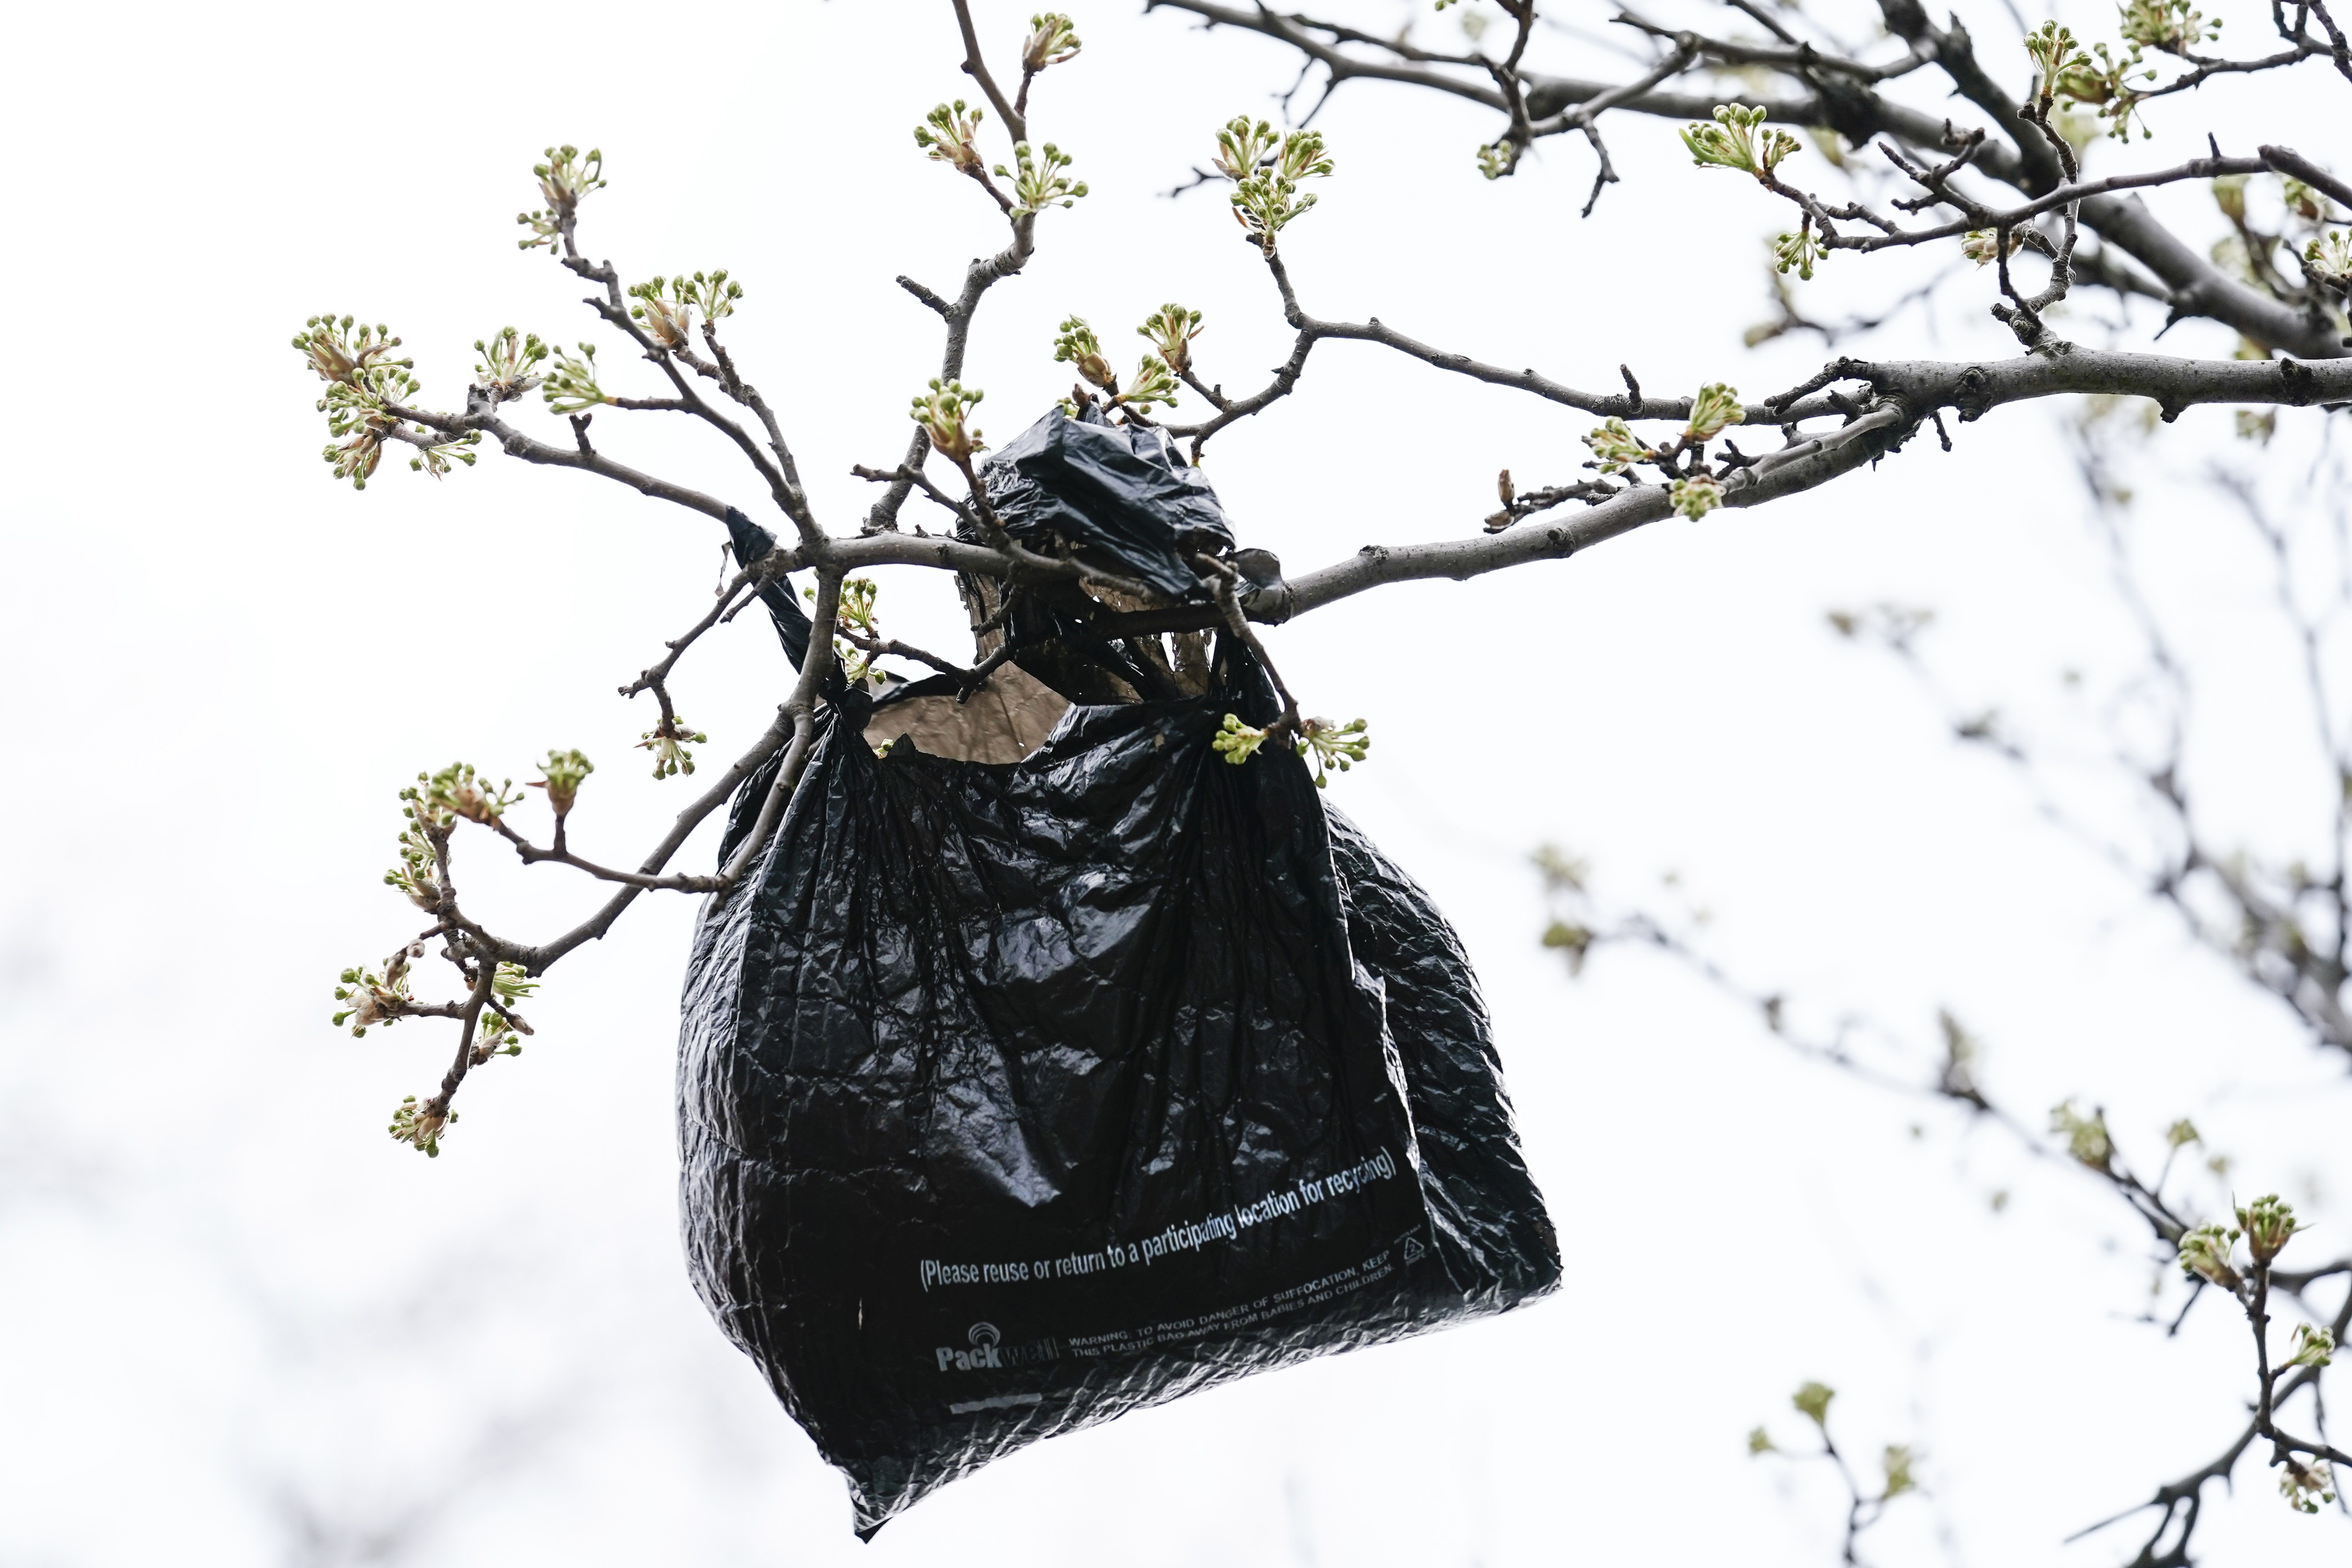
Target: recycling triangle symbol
(1413, 1250)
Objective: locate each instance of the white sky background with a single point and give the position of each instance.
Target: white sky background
(238, 1325)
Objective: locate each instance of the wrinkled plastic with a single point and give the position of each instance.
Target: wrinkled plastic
(751, 542)
(1014, 1097)
(1121, 491)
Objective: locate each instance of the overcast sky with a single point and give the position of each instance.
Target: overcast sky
(238, 1325)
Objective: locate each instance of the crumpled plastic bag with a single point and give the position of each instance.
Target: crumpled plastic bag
(1016, 1096)
(1124, 491)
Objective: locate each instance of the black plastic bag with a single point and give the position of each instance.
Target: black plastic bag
(752, 543)
(1123, 491)
(1016, 1096)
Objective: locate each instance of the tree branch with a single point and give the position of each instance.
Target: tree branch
(975, 66)
(1859, 113)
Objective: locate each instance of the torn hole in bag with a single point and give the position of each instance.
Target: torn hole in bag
(1008, 718)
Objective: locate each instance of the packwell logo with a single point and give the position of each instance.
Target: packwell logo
(981, 1357)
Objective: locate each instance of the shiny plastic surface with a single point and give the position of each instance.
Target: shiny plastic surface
(1014, 1097)
(751, 542)
(1123, 491)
